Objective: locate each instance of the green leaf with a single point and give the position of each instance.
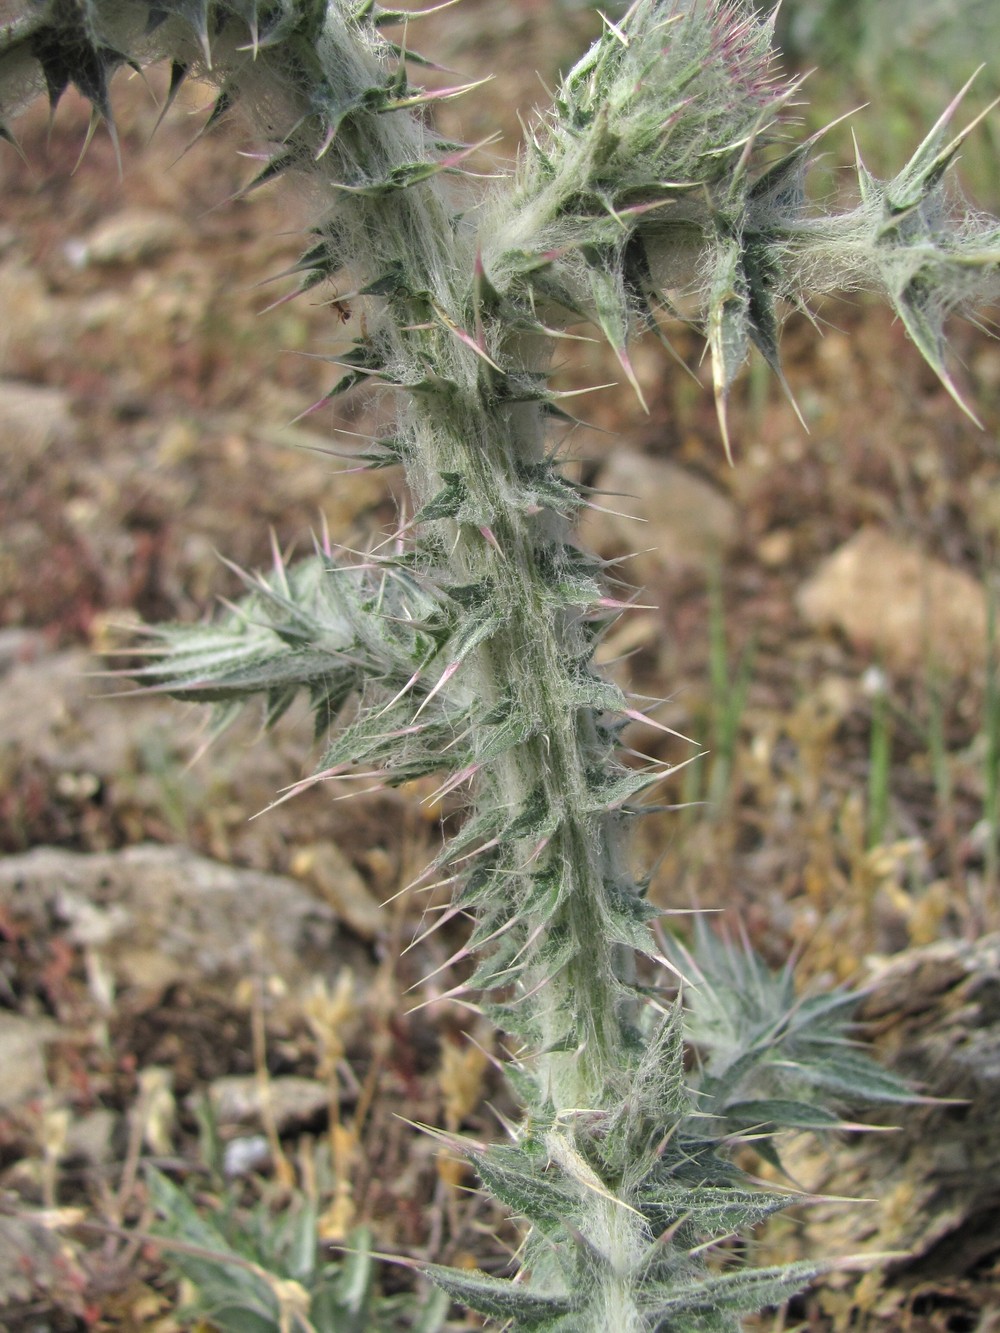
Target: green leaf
(498, 1298)
(728, 328)
(745, 1291)
(851, 1075)
(773, 1113)
(930, 161)
(920, 308)
(474, 628)
(613, 790)
(433, 1313)
(711, 1211)
(506, 726)
(611, 313)
(357, 1275)
(536, 819)
(447, 502)
(223, 1277)
(541, 1195)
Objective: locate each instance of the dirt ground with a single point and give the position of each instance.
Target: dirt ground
(846, 809)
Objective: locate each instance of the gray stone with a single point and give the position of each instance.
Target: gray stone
(666, 518)
(157, 915)
(32, 418)
(325, 868)
(132, 236)
(53, 715)
(246, 1155)
(146, 757)
(293, 1101)
(22, 1058)
(19, 646)
(933, 1014)
(90, 1138)
(40, 1271)
(892, 601)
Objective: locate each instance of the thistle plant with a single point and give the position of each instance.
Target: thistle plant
(660, 182)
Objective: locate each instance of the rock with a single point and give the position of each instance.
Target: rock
(32, 417)
(246, 1155)
(41, 1273)
(327, 870)
(22, 1058)
(133, 236)
(52, 717)
(19, 646)
(153, 916)
(890, 600)
(934, 1016)
(33, 320)
(294, 1102)
(668, 519)
(117, 765)
(90, 1138)
(156, 1109)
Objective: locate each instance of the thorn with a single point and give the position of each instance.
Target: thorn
(95, 120)
(490, 537)
(635, 716)
(949, 111)
(626, 364)
(613, 604)
(720, 412)
(472, 343)
(426, 888)
(401, 692)
(425, 96)
(456, 780)
(330, 775)
(448, 914)
(178, 73)
(279, 562)
(8, 137)
(443, 680)
(455, 994)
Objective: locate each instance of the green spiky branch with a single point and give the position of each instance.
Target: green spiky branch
(658, 182)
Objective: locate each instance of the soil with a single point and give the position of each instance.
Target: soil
(169, 432)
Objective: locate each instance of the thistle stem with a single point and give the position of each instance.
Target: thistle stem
(641, 191)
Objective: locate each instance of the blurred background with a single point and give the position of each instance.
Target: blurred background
(230, 996)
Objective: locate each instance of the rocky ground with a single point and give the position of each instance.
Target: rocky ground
(823, 625)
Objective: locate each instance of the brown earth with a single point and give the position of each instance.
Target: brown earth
(145, 426)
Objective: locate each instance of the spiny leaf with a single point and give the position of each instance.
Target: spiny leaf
(728, 326)
(710, 1210)
(744, 1291)
(931, 160)
(536, 819)
(276, 166)
(505, 726)
(611, 790)
(194, 13)
(497, 1298)
(447, 502)
(779, 1113)
(919, 308)
(505, 965)
(852, 1075)
(481, 827)
(407, 175)
(611, 313)
(69, 51)
(179, 71)
(535, 1191)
